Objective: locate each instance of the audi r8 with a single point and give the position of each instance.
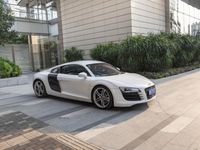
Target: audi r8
(96, 82)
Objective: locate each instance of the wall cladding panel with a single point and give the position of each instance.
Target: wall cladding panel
(89, 22)
(148, 16)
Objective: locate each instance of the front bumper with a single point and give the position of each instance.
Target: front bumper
(119, 100)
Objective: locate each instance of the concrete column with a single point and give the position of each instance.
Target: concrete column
(28, 11)
(31, 51)
(13, 54)
(60, 47)
(167, 15)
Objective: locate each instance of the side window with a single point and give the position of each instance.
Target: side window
(73, 70)
(65, 69)
(55, 70)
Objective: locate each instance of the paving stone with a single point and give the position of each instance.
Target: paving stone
(184, 140)
(6, 137)
(32, 135)
(3, 83)
(12, 81)
(19, 132)
(4, 145)
(174, 147)
(27, 130)
(17, 140)
(195, 145)
(156, 142)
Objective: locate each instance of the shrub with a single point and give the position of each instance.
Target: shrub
(73, 54)
(5, 70)
(151, 53)
(131, 55)
(106, 52)
(157, 53)
(186, 48)
(185, 51)
(197, 52)
(8, 69)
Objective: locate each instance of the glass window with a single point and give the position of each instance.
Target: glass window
(186, 16)
(73, 70)
(55, 70)
(103, 69)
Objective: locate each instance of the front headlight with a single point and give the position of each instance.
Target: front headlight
(129, 89)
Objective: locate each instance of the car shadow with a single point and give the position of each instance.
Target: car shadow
(138, 107)
(111, 117)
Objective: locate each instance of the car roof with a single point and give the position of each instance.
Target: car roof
(81, 62)
(85, 62)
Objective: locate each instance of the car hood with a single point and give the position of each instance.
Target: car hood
(129, 80)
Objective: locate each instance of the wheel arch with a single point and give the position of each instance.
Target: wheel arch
(37, 79)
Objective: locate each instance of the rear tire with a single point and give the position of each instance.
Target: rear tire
(102, 97)
(39, 89)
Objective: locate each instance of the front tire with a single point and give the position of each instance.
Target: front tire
(102, 97)
(39, 89)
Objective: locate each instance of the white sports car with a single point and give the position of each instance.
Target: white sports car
(96, 82)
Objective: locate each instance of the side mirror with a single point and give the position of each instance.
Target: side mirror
(83, 75)
(118, 69)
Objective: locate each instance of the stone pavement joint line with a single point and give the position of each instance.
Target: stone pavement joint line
(141, 139)
(177, 125)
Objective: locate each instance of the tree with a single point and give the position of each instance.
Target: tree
(6, 22)
(18, 38)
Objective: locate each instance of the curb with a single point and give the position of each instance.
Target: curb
(170, 78)
(21, 80)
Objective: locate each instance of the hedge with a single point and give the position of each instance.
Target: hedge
(73, 54)
(151, 53)
(8, 69)
(107, 52)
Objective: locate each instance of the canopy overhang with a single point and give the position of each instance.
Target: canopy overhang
(31, 3)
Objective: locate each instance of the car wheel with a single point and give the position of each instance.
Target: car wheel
(102, 97)
(39, 88)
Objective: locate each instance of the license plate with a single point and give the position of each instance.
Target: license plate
(152, 91)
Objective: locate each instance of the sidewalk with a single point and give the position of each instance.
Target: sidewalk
(20, 131)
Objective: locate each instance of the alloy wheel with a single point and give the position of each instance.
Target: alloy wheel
(39, 89)
(102, 97)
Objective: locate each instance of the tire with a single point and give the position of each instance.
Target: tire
(39, 89)
(102, 97)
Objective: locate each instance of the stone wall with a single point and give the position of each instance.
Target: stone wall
(20, 55)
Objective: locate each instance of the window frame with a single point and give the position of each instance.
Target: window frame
(86, 71)
(55, 69)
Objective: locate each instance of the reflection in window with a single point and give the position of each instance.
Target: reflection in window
(185, 17)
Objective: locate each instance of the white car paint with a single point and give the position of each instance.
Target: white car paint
(79, 88)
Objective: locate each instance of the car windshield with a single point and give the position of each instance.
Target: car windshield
(103, 69)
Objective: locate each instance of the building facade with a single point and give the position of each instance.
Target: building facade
(185, 16)
(86, 23)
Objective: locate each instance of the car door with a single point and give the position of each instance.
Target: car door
(73, 86)
(53, 81)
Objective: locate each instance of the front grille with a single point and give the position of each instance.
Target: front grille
(133, 96)
(147, 92)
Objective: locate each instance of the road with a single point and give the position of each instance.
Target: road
(170, 122)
